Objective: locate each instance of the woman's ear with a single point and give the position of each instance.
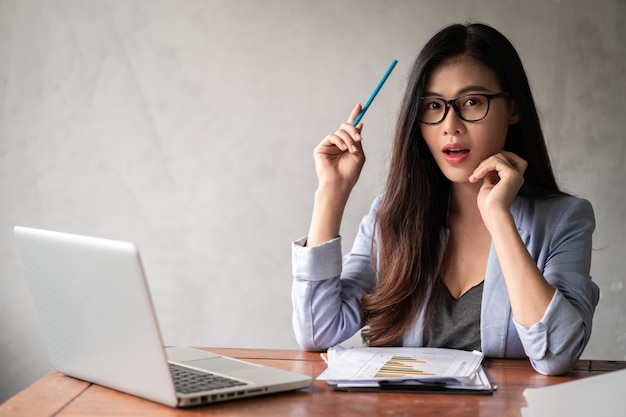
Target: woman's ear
(514, 114)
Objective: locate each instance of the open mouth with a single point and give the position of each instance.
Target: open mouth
(454, 155)
(459, 151)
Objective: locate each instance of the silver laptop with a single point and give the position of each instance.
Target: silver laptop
(98, 321)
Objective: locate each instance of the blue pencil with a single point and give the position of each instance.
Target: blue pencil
(369, 101)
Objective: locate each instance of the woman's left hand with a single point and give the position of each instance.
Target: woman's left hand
(503, 176)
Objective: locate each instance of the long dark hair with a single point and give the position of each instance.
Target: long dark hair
(414, 207)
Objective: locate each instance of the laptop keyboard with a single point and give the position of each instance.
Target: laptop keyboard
(188, 381)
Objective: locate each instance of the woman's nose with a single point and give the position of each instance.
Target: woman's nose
(452, 123)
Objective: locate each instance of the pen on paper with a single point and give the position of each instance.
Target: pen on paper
(380, 84)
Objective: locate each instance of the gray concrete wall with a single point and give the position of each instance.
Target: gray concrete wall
(188, 128)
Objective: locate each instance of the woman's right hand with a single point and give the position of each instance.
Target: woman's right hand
(339, 157)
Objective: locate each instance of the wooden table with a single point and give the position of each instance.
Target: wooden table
(57, 395)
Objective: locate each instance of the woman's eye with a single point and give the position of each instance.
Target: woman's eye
(432, 105)
(472, 101)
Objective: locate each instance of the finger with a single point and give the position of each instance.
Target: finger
(350, 137)
(500, 164)
(517, 162)
(334, 140)
(342, 140)
(353, 131)
(490, 179)
(355, 112)
(346, 138)
(495, 163)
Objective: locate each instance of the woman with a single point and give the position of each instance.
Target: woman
(472, 245)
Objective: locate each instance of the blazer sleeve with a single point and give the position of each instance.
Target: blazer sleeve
(555, 343)
(327, 290)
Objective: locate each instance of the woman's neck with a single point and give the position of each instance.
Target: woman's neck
(463, 199)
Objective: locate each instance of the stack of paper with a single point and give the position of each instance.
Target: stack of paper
(406, 369)
(597, 396)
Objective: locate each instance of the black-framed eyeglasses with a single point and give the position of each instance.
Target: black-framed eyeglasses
(470, 107)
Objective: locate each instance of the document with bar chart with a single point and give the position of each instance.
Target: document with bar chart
(405, 369)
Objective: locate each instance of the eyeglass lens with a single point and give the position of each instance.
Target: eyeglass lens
(470, 108)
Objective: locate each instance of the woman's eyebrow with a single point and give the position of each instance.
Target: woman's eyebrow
(464, 90)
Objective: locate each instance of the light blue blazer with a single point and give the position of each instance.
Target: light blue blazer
(327, 289)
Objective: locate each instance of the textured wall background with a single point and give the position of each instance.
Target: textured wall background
(188, 128)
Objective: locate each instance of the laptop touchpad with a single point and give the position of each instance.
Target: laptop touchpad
(219, 364)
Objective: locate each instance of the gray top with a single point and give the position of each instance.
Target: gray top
(455, 323)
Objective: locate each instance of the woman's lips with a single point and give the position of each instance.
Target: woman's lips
(455, 154)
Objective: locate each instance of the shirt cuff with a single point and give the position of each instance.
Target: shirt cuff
(316, 263)
(553, 332)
